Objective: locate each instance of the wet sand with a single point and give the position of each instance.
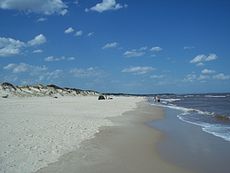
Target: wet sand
(130, 146)
(194, 149)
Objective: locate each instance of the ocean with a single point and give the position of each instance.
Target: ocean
(209, 111)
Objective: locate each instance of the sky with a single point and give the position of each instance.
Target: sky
(130, 46)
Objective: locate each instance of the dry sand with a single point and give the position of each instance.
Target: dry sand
(129, 147)
(36, 131)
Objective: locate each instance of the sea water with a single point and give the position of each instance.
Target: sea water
(209, 111)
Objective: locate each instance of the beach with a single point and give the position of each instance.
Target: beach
(128, 147)
(36, 131)
(83, 134)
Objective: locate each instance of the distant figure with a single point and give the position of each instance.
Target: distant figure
(157, 99)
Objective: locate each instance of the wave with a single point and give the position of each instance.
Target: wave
(170, 100)
(215, 96)
(218, 130)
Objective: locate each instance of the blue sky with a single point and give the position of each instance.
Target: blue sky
(117, 45)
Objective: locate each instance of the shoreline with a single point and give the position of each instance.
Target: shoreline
(195, 149)
(129, 146)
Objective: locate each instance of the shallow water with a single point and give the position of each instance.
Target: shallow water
(209, 111)
(188, 146)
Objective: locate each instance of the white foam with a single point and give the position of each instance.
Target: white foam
(214, 96)
(170, 100)
(219, 131)
(174, 107)
(214, 129)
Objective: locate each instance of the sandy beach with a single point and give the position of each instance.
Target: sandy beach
(36, 131)
(128, 147)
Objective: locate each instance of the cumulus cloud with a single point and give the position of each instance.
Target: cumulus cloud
(86, 73)
(207, 71)
(206, 74)
(106, 5)
(46, 7)
(138, 70)
(78, 33)
(38, 51)
(38, 40)
(221, 76)
(23, 67)
(190, 77)
(10, 47)
(133, 53)
(69, 30)
(200, 59)
(110, 45)
(142, 51)
(156, 49)
(52, 58)
(32, 73)
(41, 19)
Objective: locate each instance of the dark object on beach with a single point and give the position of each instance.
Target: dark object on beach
(157, 99)
(55, 97)
(101, 97)
(6, 96)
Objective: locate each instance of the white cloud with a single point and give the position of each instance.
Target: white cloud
(32, 73)
(221, 76)
(69, 30)
(157, 76)
(203, 77)
(52, 58)
(90, 34)
(156, 49)
(41, 19)
(207, 71)
(86, 73)
(134, 53)
(106, 5)
(38, 40)
(70, 58)
(138, 70)
(38, 51)
(51, 75)
(190, 77)
(79, 33)
(142, 51)
(200, 59)
(46, 7)
(23, 67)
(10, 47)
(110, 45)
